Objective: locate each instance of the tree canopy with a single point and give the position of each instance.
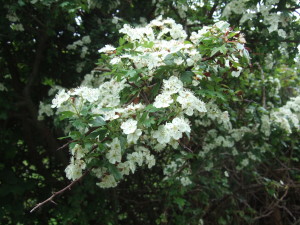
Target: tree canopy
(153, 112)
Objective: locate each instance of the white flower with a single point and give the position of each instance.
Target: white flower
(150, 160)
(107, 49)
(99, 172)
(265, 125)
(136, 157)
(189, 102)
(172, 85)
(115, 60)
(74, 169)
(2, 87)
(222, 25)
(162, 135)
(237, 73)
(124, 168)
(114, 154)
(107, 182)
(78, 152)
(163, 100)
(133, 137)
(44, 109)
(90, 94)
(190, 62)
(185, 181)
(178, 61)
(73, 172)
(129, 126)
(86, 39)
(59, 99)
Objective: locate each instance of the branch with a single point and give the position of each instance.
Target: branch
(291, 41)
(50, 199)
(212, 57)
(102, 69)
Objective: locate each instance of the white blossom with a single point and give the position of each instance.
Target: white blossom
(163, 100)
(59, 99)
(129, 126)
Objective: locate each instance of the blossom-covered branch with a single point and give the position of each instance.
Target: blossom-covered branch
(68, 187)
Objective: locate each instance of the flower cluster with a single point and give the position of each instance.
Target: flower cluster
(149, 100)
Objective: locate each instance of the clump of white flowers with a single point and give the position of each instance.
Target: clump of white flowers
(271, 19)
(150, 99)
(287, 117)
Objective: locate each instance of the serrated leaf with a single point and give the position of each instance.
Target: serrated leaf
(75, 135)
(149, 122)
(223, 49)
(180, 202)
(122, 41)
(214, 51)
(151, 108)
(187, 77)
(143, 117)
(98, 132)
(98, 121)
(66, 114)
(169, 60)
(115, 172)
(148, 44)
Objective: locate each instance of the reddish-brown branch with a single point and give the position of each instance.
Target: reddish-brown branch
(65, 145)
(50, 199)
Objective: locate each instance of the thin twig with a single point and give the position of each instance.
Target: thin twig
(65, 145)
(50, 199)
(102, 69)
(212, 57)
(185, 147)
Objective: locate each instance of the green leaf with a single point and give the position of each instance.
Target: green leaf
(148, 44)
(98, 121)
(123, 142)
(214, 51)
(223, 49)
(101, 132)
(114, 171)
(143, 117)
(151, 108)
(79, 124)
(122, 41)
(169, 60)
(66, 114)
(75, 135)
(180, 202)
(187, 77)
